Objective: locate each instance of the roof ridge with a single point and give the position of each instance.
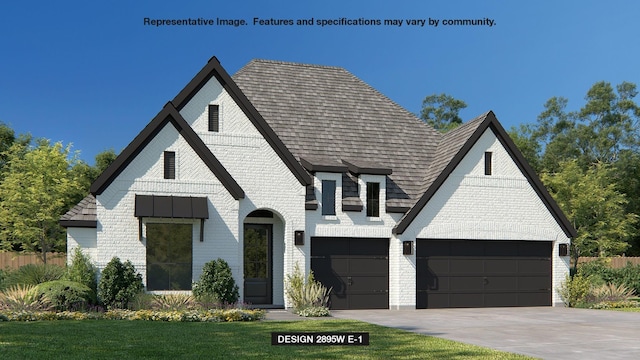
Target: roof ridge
(294, 63)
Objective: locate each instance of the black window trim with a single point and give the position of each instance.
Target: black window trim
(373, 202)
(169, 164)
(488, 162)
(213, 123)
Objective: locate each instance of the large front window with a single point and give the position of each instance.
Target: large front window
(169, 256)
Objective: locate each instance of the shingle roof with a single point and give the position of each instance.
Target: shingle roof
(81, 215)
(327, 112)
(327, 116)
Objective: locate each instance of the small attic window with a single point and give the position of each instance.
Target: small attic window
(328, 197)
(169, 165)
(373, 199)
(487, 162)
(214, 118)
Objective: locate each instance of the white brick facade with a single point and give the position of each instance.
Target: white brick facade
(468, 205)
(473, 206)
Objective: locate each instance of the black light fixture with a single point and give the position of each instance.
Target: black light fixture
(299, 237)
(563, 249)
(407, 247)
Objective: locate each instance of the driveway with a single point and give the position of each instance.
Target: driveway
(543, 332)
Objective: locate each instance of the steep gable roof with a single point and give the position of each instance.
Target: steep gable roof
(168, 114)
(328, 113)
(455, 145)
(215, 69)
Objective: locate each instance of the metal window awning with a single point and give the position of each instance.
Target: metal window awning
(171, 207)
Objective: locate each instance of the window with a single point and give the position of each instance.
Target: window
(328, 197)
(169, 165)
(373, 199)
(214, 118)
(487, 163)
(169, 256)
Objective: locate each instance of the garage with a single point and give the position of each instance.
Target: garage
(481, 273)
(356, 268)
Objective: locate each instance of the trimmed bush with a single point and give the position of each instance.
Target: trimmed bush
(216, 283)
(82, 270)
(65, 295)
(119, 284)
(34, 274)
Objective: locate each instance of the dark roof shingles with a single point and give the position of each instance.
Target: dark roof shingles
(327, 112)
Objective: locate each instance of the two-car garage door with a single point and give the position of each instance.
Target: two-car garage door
(480, 273)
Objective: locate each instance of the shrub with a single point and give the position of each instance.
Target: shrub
(34, 274)
(22, 298)
(216, 283)
(84, 272)
(601, 274)
(173, 302)
(574, 290)
(609, 293)
(3, 277)
(629, 276)
(307, 297)
(141, 301)
(64, 294)
(119, 284)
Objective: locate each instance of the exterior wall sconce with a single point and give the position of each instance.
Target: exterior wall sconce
(407, 248)
(299, 237)
(563, 249)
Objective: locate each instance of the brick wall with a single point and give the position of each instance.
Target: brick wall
(501, 206)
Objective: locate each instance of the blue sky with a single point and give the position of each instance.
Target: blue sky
(92, 74)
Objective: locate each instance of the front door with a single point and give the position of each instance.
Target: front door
(257, 264)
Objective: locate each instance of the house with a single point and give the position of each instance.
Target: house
(287, 163)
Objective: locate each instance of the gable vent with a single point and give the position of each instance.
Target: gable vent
(214, 118)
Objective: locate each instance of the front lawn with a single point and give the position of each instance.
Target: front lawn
(110, 339)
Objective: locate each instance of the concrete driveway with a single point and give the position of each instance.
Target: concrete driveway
(543, 332)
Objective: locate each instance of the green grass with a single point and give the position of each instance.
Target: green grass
(108, 339)
(627, 309)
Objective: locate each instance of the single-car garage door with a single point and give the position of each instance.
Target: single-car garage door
(356, 268)
(480, 273)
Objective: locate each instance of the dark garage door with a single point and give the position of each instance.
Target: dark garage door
(480, 273)
(356, 268)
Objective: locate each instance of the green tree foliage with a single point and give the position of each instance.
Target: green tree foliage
(216, 282)
(596, 208)
(86, 174)
(37, 189)
(119, 284)
(602, 136)
(604, 128)
(82, 270)
(441, 111)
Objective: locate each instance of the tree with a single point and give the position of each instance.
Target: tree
(36, 191)
(441, 111)
(600, 131)
(86, 174)
(595, 207)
